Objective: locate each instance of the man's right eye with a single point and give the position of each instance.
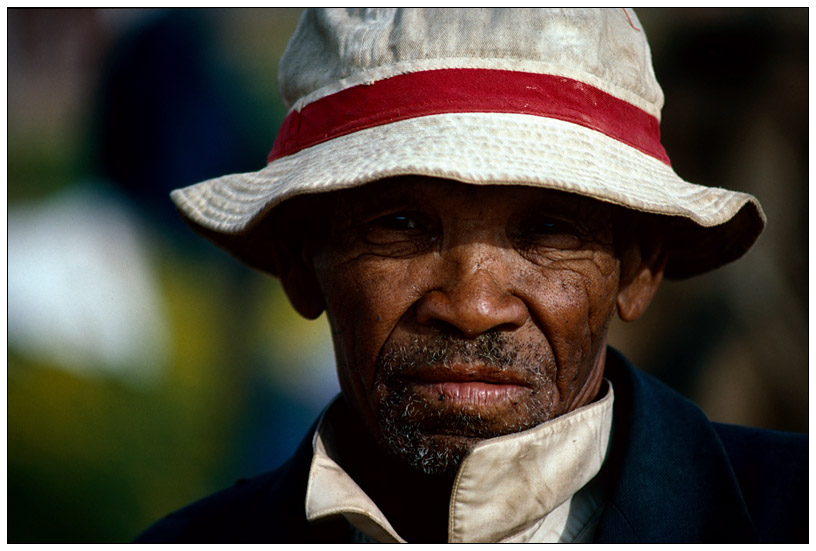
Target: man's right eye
(396, 228)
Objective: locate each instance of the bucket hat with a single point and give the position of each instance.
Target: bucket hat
(562, 99)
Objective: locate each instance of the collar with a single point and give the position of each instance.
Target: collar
(526, 486)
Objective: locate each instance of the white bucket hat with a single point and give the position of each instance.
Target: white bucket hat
(563, 99)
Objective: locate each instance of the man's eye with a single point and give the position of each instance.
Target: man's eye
(396, 222)
(399, 227)
(549, 233)
(546, 226)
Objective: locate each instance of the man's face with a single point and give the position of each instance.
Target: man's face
(463, 312)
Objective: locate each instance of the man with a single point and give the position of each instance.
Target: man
(470, 196)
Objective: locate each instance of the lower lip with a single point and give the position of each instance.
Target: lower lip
(475, 393)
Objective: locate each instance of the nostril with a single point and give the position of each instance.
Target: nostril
(470, 314)
(432, 309)
(445, 328)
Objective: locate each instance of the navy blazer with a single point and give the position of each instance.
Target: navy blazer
(672, 476)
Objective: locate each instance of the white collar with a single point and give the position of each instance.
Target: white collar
(519, 487)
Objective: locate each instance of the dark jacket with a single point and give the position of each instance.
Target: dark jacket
(671, 476)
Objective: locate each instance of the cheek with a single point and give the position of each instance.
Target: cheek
(574, 302)
(365, 301)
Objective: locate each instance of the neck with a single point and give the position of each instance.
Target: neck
(416, 504)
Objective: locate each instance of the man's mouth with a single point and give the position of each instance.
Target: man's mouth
(468, 386)
(471, 393)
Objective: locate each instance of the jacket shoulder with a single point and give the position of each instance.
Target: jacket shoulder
(772, 470)
(223, 516)
(265, 508)
(674, 476)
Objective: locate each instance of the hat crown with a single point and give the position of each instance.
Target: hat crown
(335, 48)
(550, 98)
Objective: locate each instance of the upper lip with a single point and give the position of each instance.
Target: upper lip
(466, 374)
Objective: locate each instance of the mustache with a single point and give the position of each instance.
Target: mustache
(493, 349)
(435, 439)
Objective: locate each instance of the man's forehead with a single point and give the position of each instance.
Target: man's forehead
(417, 190)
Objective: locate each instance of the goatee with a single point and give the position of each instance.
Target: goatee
(433, 438)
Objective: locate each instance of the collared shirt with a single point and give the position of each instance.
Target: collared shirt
(532, 486)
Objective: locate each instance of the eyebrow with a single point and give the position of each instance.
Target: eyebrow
(565, 205)
(367, 201)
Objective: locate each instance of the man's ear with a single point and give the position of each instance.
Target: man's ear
(642, 267)
(296, 271)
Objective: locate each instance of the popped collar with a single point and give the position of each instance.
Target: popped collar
(531, 486)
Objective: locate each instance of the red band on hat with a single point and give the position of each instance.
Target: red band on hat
(467, 91)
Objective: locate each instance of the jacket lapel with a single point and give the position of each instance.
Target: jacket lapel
(668, 476)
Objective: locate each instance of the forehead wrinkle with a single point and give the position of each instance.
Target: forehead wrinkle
(586, 212)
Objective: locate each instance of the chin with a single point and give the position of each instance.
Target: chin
(437, 455)
(434, 438)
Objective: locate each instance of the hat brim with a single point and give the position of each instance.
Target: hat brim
(710, 226)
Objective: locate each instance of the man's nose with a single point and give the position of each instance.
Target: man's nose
(474, 300)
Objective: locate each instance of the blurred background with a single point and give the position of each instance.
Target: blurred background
(146, 368)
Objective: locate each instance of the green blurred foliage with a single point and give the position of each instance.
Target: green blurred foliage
(97, 458)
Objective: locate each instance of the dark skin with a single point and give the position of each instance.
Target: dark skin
(518, 283)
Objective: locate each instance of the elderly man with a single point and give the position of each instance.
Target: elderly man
(471, 196)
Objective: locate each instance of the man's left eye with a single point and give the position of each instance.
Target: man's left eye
(549, 233)
(547, 226)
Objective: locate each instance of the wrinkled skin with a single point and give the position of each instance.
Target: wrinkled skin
(422, 278)
(462, 312)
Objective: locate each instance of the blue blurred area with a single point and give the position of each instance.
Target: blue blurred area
(146, 368)
(170, 112)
